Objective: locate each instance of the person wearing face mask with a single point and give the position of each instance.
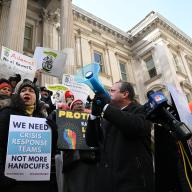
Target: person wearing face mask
(14, 80)
(5, 93)
(46, 97)
(24, 103)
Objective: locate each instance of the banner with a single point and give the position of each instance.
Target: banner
(50, 61)
(181, 104)
(13, 62)
(79, 90)
(71, 129)
(29, 149)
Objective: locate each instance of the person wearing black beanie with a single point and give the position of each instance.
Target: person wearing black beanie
(25, 102)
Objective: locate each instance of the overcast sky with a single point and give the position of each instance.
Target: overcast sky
(124, 14)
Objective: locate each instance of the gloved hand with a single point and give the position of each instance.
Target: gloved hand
(98, 103)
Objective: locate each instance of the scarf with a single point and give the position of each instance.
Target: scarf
(30, 109)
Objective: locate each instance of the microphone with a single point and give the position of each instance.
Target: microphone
(157, 108)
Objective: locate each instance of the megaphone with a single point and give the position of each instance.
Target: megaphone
(89, 75)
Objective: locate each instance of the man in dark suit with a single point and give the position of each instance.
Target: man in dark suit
(123, 137)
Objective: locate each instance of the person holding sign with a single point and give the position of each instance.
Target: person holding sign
(25, 102)
(123, 135)
(78, 164)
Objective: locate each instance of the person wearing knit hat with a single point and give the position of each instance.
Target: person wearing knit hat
(5, 93)
(29, 93)
(5, 87)
(77, 105)
(78, 161)
(69, 97)
(25, 102)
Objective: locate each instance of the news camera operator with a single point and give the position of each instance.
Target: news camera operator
(122, 134)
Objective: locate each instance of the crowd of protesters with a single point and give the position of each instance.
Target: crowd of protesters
(119, 158)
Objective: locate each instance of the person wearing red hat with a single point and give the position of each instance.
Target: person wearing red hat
(78, 161)
(5, 93)
(77, 105)
(69, 97)
(5, 87)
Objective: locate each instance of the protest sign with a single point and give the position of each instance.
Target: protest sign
(71, 129)
(181, 104)
(13, 62)
(58, 92)
(51, 62)
(29, 149)
(79, 90)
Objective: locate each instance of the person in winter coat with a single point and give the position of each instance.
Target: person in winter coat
(5, 93)
(25, 103)
(14, 80)
(46, 97)
(78, 165)
(122, 135)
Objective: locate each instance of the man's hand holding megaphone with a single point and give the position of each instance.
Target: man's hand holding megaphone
(98, 103)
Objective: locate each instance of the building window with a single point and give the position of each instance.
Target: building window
(123, 71)
(98, 58)
(176, 62)
(28, 37)
(150, 66)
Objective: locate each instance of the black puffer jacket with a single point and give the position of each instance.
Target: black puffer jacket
(125, 163)
(6, 184)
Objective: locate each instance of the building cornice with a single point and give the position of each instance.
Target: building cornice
(155, 20)
(99, 24)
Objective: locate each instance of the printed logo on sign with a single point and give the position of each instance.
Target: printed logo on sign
(47, 63)
(159, 98)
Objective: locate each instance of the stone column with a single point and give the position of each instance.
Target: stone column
(3, 21)
(78, 47)
(186, 67)
(16, 25)
(168, 70)
(67, 41)
(47, 33)
(50, 19)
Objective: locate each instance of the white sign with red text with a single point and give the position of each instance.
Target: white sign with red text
(13, 62)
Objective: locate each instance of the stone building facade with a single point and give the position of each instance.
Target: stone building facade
(152, 53)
